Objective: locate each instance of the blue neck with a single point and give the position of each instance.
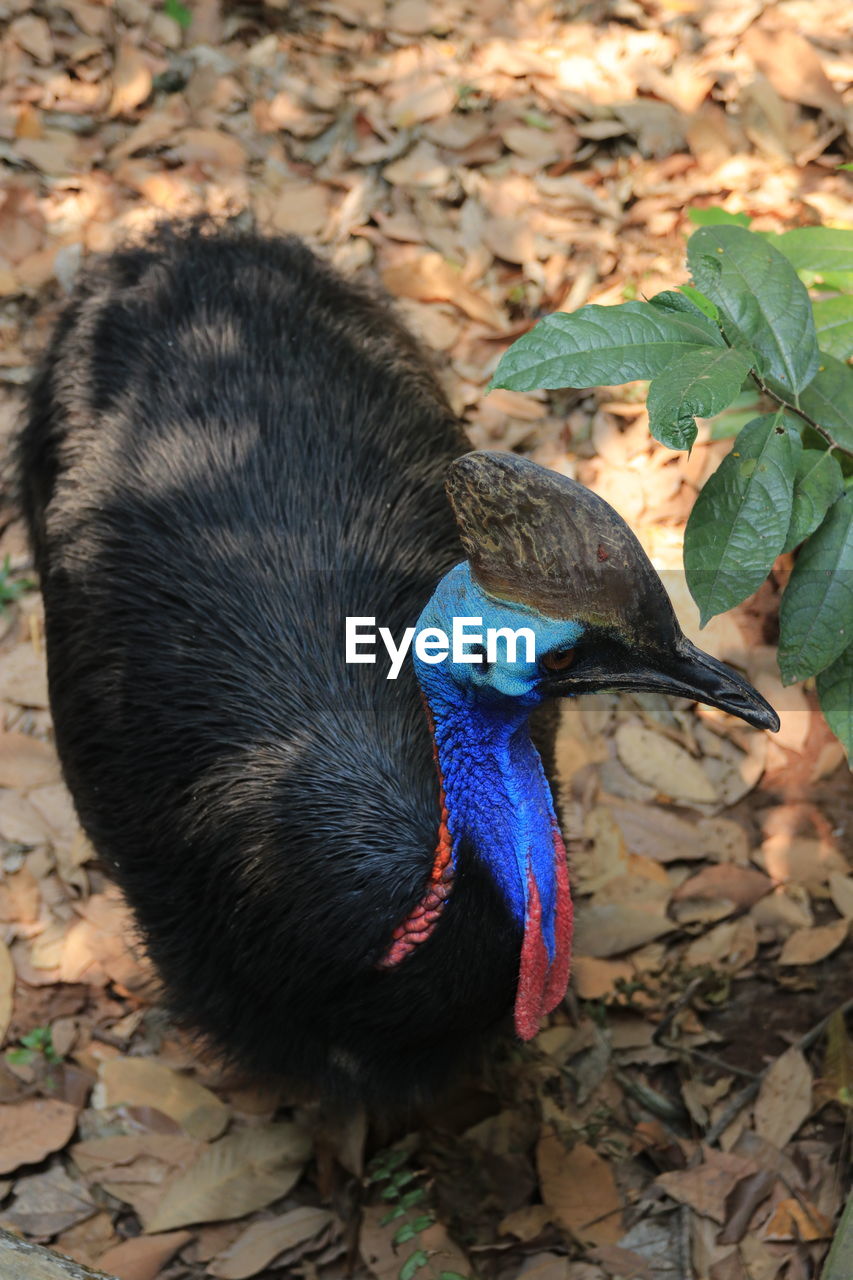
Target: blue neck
(498, 798)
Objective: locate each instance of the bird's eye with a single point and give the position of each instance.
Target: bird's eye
(558, 660)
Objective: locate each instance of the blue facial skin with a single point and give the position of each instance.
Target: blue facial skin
(497, 795)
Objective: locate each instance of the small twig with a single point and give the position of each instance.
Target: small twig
(801, 413)
(746, 1094)
(684, 999)
(721, 1065)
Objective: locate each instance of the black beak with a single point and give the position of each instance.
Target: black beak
(683, 671)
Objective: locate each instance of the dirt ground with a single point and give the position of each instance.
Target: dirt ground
(686, 1112)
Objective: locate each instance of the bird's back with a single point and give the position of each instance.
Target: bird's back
(230, 450)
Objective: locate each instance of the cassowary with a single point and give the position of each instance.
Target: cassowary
(340, 877)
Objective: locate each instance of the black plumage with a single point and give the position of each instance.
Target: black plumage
(229, 449)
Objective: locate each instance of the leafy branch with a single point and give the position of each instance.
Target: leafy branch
(747, 320)
(407, 1196)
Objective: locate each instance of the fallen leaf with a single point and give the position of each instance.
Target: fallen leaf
(30, 1130)
(793, 66)
(579, 1188)
(263, 1241)
(841, 892)
(23, 677)
(434, 100)
(794, 1220)
(26, 762)
(242, 1172)
(707, 1187)
(33, 35)
(298, 208)
(142, 1082)
(742, 886)
(800, 859)
(784, 1099)
(420, 167)
(411, 17)
(20, 822)
(132, 80)
(143, 1257)
(212, 149)
(610, 929)
(44, 1204)
(663, 764)
(430, 278)
(88, 1240)
(808, 946)
(595, 979)
(730, 946)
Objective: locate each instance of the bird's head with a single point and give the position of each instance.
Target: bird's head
(547, 554)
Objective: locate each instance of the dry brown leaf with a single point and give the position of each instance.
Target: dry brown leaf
(730, 946)
(87, 1241)
(800, 859)
(794, 1220)
(155, 128)
(707, 1187)
(808, 946)
(30, 1130)
(612, 928)
(511, 239)
(432, 101)
(212, 149)
(99, 947)
(841, 892)
(20, 822)
(26, 761)
(263, 1241)
(33, 35)
(46, 1203)
(20, 899)
(430, 278)
(7, 989)
(411, 17)
(596, 979)
(793, 66)
(143, 1257)
(242, 1172)
(785, 1098)
(579, 1188)
(298, 208)
(420, 167)
(663, 764)
(526, 1223)
(142, 1082)
(742, 886)
(23, 677)
(135, 1167)
(132, 80)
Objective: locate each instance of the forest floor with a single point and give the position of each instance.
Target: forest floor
(686, 1112)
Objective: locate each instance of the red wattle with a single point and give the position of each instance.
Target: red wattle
(542, 983)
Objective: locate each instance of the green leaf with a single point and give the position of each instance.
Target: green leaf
(602, 345)
(817, 248)
(413, 1264)
(839, 1260)
(705, 305)
(828, 399)
(178, 12)
(410, 1229)
(817, 484)
(763, 304)
(715, 217)
(738, 524)
(834, 321)
(742, 410)
(816, 616)
(701, 383)
(835, 692)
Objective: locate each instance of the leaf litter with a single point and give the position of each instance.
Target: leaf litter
(685, 1111)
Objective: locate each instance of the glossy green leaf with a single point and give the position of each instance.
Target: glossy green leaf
(686, 301)
(606, 345)
(763, 304)
(834, 321)
(705, 305)
(742, 410)
(817, 484)
(816, 616)
(817, 248)
(715, 217)
(828, 399)
(737, 527)
(835, 692)
(701, 383)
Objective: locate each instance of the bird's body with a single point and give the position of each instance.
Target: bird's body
(229, 451)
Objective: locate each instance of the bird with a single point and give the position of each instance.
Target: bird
(342, 879)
